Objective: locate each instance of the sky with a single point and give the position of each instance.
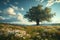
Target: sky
(13, 11)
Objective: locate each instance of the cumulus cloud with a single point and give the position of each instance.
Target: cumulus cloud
(55, 20)
(7, 13)
(52, 2)
(21, 18)
(10, 11)
(2, 18)
(18, 16)
(24, 20)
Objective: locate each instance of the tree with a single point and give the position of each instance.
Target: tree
(38, 14)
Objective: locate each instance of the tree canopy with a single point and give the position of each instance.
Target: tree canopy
(39, 14)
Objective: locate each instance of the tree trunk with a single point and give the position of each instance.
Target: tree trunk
(37, 21)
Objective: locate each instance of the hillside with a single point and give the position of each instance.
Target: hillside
(13, 32)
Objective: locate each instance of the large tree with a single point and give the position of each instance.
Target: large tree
(39, 14)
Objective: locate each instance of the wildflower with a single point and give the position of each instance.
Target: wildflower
(46, 39)
(28, 35)
(24, 37)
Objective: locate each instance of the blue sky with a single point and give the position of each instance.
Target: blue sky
(12, 11)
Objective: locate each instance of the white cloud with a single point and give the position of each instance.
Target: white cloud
(24, 20)
(57, 1)
(17, 8)
(52, 2)
(55, 20)
(22, 9)
(10, 11)
(20, 17)
(39, 0)
(42, 1)
(2, 18)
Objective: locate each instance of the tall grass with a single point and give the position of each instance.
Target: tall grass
(10, 32)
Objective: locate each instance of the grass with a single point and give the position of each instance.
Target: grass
(11, 32)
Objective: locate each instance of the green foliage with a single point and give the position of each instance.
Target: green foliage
(38, 14)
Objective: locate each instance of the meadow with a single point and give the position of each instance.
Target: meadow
(13, 32)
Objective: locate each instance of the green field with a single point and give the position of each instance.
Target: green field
(12, 32)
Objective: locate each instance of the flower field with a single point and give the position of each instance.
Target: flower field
(12, 32)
